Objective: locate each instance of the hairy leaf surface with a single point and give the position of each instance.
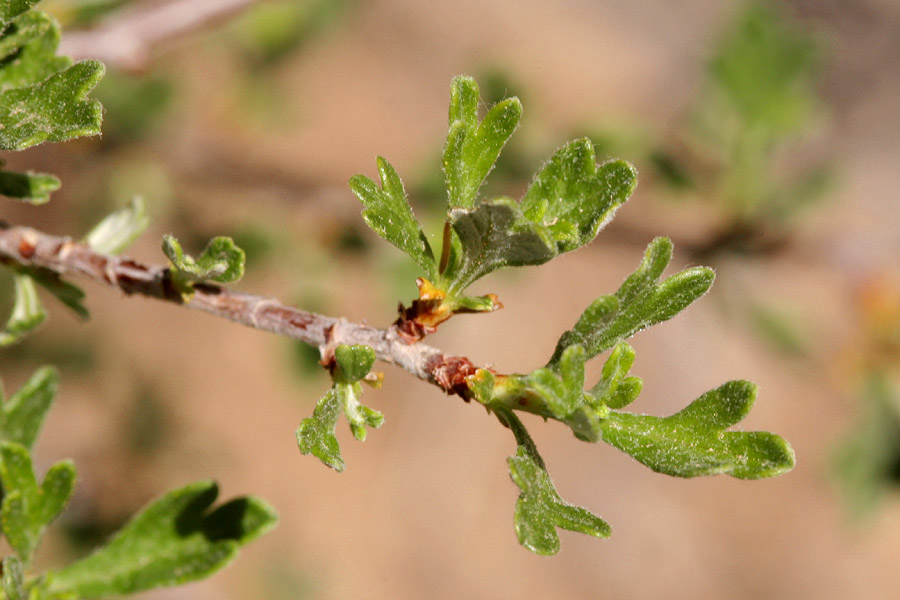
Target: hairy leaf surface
(539, 509)
(641, 301)
(388, 213)
(176, 539)
(472, 148)
(694, 442)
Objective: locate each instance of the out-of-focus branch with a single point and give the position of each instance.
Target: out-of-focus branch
(126, 40)
(28, 248)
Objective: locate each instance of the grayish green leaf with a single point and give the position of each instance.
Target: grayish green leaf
(353, 362)
(616, 389)
(494, 235)
(118, 230)
(316, 433)
(573, 198)
(220, 261)
(23, 413)
(174, 540)
(13, 579)
(53, 110)
(388, 213)
(472, 148)
(27, 508)
(30, 187)
(539, 509)
(694, 442)
(27, 313)
(641, 301)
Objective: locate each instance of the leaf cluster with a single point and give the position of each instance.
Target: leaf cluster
(568, 202)
(316, 434)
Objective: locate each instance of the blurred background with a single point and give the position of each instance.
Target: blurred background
(766, 137)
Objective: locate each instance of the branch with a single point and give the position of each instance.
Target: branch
(126, 40)
(28, 249)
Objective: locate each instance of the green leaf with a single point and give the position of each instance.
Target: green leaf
(573, 198)
(53, 110)
(27, 509)
(43, 97)
(353, 362)
(472, 148)
(316, 433)
(118, 230)
(65, 292)
(23, 413)
(539, 509)
(13, 8)
(388, 213)
(30, 187)
(13, 579)
(494, 235)
(220, 261)
(174, 540)
(694, 442)
(641, 301)
(616, 389)
(27, 313)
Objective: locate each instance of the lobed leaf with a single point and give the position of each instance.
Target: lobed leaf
(388, 213)
(27, 508)
(315, 435)
(118, 230)
(23, 413)
(573, 198)
(616, 389)
(11, 9)
(472, 148)
(494, 235)
(641, 301)
(27, 312)
(174, 540)
(30, 187)
(221, 261)
(53, 110)
(539, 509)
(694, 442)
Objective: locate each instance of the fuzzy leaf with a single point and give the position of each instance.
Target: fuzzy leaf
(472, 148)
(641, 301)
(220, 261)
(53, 110)
(694, 442)
(354, 362)
(174, 540)
(573, 198)
(13, 8)
(491, 236)
(30, 187)
(616, 389)
(13, 579)
(27, 313)
(42, 96)
(23, 413)
(388, 213)
(316, 433)
(28, 508)
(118, 230)
(539, 509)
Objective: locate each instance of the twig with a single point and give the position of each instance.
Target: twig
(29, 249)
(127, 39)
